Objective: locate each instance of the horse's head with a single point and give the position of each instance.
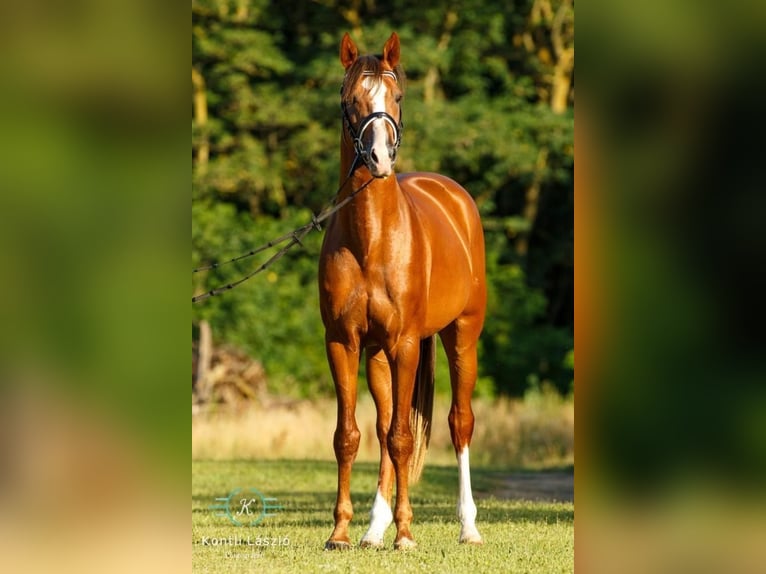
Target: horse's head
(370, 99)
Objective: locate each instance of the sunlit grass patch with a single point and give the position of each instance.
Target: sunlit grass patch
(520, 535)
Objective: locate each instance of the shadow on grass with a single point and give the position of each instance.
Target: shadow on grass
(294, 485)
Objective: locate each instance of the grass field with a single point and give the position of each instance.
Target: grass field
(520, 535)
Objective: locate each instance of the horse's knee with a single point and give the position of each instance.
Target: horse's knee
(400, 443)
(346, 441)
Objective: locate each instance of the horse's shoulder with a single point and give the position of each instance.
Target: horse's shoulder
(425, 177)
(431, 189)
(422, 182)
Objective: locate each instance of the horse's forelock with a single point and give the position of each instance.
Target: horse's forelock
(368, 64)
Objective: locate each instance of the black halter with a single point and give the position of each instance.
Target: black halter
(357, 134)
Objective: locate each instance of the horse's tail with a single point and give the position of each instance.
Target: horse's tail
(422, 407)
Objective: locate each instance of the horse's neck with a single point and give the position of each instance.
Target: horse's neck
(375, 211)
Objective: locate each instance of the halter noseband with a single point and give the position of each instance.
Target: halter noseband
(361, 152)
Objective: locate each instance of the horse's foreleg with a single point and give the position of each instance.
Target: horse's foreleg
(379, 380)
(344, 363)
(461, 352)
(400, 435)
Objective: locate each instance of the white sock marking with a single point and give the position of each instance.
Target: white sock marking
(466, 508)
(380, 519)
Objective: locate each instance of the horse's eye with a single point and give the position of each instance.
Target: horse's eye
(398, 98)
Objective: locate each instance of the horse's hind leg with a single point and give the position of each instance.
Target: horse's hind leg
(344, 364)
(460, 339)
(400, 439)
(379, 380)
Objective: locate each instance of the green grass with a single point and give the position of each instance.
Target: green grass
(519, 536)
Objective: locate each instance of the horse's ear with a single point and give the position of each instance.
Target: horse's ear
(391, 51)
(348, 51)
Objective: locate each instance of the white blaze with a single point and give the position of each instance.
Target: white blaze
(379, 148)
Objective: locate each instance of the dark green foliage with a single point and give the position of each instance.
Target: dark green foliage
(521, 348)
(476, 109)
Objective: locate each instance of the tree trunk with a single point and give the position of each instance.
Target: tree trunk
(562, 80)
(563, 48)
(204, 359)
(532, 201)
(200, 117)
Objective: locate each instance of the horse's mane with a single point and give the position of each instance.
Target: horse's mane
(368, 64)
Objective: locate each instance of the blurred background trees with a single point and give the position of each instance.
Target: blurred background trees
(489, 102)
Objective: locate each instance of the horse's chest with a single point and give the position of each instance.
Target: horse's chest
(383, 308)
(382, 298)
(370, 296)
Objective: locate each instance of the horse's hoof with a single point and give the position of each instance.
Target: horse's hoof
(472, 541)
(471, 537)
(337, 545)
(405, 544)
(371, 544)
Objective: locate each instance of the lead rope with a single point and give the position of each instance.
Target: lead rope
(294, 238)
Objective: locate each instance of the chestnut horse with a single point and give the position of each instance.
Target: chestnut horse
(401, 262)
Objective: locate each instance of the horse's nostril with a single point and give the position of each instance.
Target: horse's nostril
(374, 156)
